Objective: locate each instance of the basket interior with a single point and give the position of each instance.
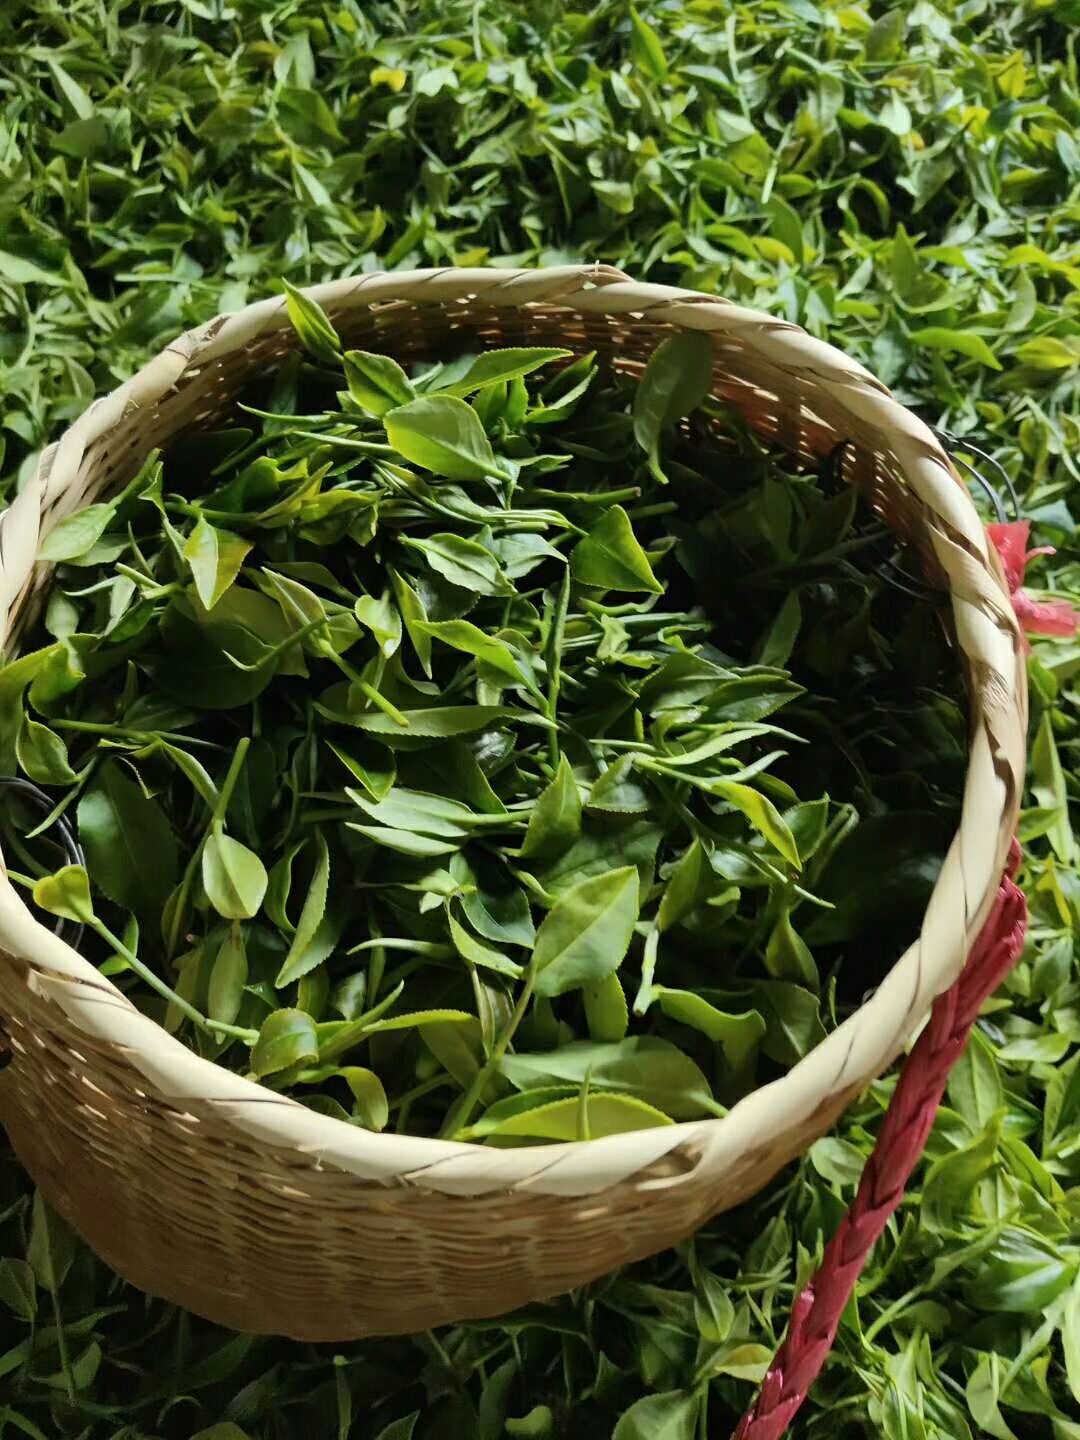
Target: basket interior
(803, 417)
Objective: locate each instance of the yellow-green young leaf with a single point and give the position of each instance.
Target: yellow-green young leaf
(66, 893)
(1049, 788)
(312, 935)
(538, 1424)
(233, 877)
(1070, 1338)
(417, 811)
(496, 367)
(644, 1066)
(439, 721)
(738, 1034)
(669, 1416)
(836, 1160)
(676, 380)
(376, 382)
(417, 1019)
(619, 791)
(420, 846)
(415, 617)
(228, 977)
(1012, 76)
(687, 886)
(645, 49)
(76, 534)
(586, 933)
(313, 991)
(555, 818)
(582, 1118)
(788, 229)
(761, 813)
(311, 323)
(606, 1011)
(79, 102)
(975, 1089)
(956, 342)
(370, 763)
(458, 1046)
(463, 562)
(383, 620)
(476, 952)
(741, 1359)
(287, 1037)
(215, 557)
(465, 636)
(884, 36)
(371, 1104)
(787, 955)
(983, 1394)
(42, 754)
(442, 434)
(1047, 353)
(610, 557)
(950, 1180)
(393, 79)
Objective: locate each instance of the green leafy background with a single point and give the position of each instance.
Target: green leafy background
(901, 180)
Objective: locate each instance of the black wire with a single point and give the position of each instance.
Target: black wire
(72, 849)
(889, 567)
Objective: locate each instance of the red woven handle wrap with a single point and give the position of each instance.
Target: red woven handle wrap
(817, 1311)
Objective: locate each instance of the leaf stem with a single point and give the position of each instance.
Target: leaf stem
(212, 1027)
(462, 1112)
(553, 660)
(228, 785)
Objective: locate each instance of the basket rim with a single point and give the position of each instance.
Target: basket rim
(850, 1056)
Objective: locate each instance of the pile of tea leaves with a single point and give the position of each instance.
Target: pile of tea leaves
(425, 768)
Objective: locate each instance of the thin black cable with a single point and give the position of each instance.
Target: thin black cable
(889, 567)
(72, 849)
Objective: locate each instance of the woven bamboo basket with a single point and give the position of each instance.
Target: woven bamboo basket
(244, 1206)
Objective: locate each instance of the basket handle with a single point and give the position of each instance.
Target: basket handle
(815, 1315)
(816, 1312)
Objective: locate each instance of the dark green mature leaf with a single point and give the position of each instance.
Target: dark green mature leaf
(129, 844)
(195, 667)
(676, 380)
(51, 1248)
